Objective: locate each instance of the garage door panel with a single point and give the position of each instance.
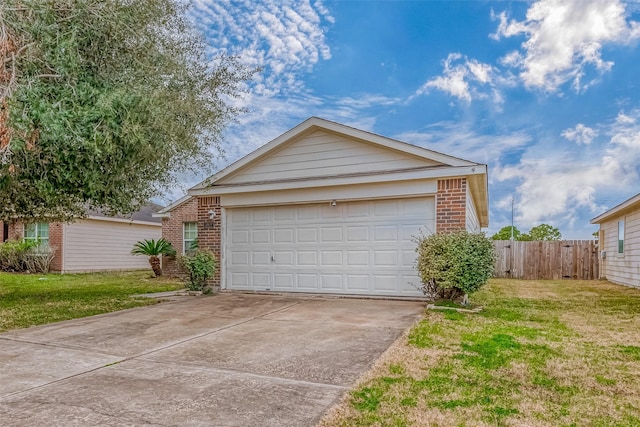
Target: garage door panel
(358, 210)
(385, 282)
(240, 258)
(260, 236)
(355, 247)
(331, 258)
(308, 258)
(307, 235)
(283, 258)
(385, 233)
(240, 236)
(283, 281)
(357, 282)
(283, 235)
(385, 208)
(261, 214)
(409, 257)
(385, 258)
(358, 258)
(308, 282)
(261, 280)
(260, 258)
(331, 234)
(331, 282)
(306, 213)
(357, 234)
(239, 280)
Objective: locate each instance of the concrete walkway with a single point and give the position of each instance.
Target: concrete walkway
(227, 360)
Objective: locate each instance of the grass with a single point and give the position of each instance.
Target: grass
(541, 353)
(32, 299)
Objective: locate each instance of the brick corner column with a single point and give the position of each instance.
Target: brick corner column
(451, 205)
(56, 231)
(172, 231)
(210, 230)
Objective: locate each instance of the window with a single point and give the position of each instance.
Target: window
(189, 237)
(38, 232)
(621, 237)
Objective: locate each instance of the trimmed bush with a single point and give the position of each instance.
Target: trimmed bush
(25, 256)
(454, 265)
(198, 267)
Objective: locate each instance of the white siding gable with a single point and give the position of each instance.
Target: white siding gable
(324, 154)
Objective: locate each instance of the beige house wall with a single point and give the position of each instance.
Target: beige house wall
(471, 220)
(621, 268)
(99, 245)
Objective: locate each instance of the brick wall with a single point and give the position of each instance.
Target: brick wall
(451, 205)
(210, 230)
(56, 235)
(172, 229)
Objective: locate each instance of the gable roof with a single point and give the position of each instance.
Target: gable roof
(630, 204)
(145, 214)
(315, 123)
(162, 213)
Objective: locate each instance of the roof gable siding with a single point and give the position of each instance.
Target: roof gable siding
(321, 154)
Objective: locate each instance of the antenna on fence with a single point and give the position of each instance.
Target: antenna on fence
(511, 218)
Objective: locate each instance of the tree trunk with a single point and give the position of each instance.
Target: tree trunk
(155, 265)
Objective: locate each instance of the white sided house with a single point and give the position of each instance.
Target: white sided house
(619, 239)
(95, 243)
(326, 208)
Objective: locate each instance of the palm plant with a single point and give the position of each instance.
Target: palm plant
(153, 249)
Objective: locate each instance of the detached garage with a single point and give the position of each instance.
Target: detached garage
(326, 208)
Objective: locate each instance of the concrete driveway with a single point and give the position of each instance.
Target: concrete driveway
(227, 360)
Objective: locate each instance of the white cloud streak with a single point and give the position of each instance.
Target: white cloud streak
(564, 41)
(558, 189)
(464, 141)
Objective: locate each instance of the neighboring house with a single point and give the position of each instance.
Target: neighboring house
(326, 208)
(95, 243)
(619, 241)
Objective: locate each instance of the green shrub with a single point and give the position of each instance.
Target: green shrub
(453, 265)
(25, 256)
(199, 267)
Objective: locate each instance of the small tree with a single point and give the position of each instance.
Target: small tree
(454, 265)
(505, 234)
(199, 267)
(153, 249)
(544, 232)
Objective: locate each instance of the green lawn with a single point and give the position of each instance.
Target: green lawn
(33, 299)
(541, 353)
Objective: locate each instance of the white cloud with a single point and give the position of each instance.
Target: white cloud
(560, 188)
(463, 78)
(564, 40)
(463, 140)
(284, 37)
(581, 134)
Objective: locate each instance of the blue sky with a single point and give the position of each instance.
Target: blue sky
(547, 93)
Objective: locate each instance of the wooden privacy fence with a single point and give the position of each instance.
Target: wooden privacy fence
(564, 259)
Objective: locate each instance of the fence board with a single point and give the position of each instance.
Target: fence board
(564, 259)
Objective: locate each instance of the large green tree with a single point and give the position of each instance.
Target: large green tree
(103, 102)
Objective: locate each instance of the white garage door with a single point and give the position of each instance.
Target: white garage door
(352, 248)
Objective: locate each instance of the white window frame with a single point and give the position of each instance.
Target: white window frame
(620, 241)
(39, 227)
(184, 239)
